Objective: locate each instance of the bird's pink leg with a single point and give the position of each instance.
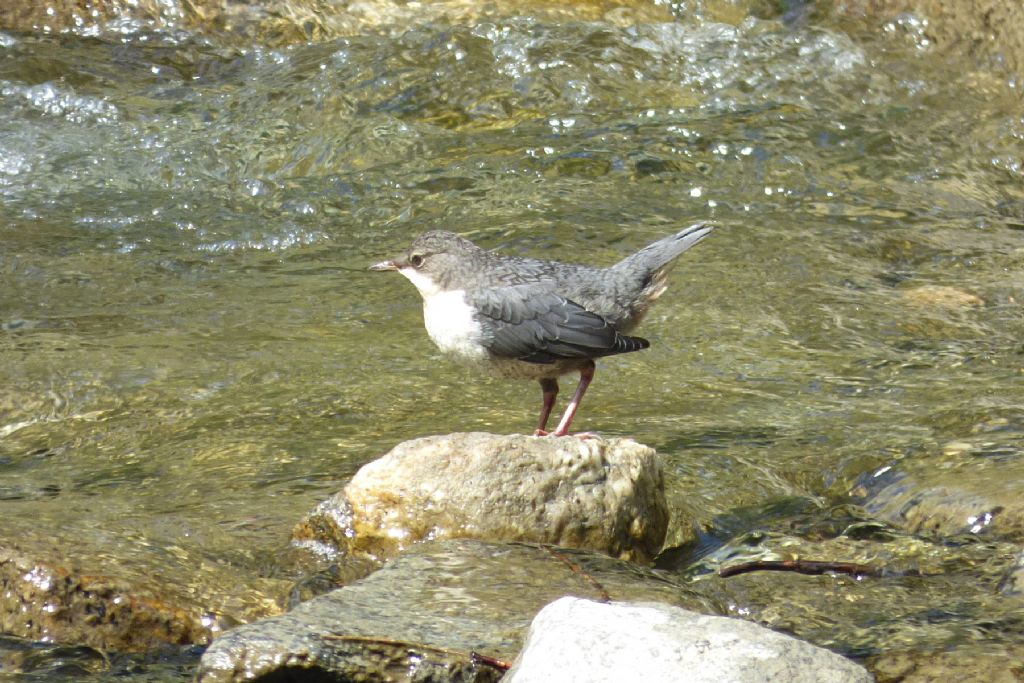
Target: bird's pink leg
(550, 389)
(586, 376)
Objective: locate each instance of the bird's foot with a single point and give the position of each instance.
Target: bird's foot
(578, 435)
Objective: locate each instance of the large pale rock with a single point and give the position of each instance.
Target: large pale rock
(599, 494)
(575, 640)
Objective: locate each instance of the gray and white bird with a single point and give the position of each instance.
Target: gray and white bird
(521, 318)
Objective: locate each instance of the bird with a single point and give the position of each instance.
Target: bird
(524, 318)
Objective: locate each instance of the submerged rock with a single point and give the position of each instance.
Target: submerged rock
(421, 616)
(941, 296)
(995, 662)
(50, 600)
(97, 588)
(574, 640)
(966, 494)
(598, 494)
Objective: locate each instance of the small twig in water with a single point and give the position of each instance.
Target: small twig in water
(800, 567)
(500, 664)
(576, 569)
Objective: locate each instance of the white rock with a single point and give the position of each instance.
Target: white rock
(580, 641)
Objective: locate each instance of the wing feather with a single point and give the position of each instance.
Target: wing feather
(531, 323)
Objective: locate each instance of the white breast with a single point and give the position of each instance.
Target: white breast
(450, 323)
(449, 319)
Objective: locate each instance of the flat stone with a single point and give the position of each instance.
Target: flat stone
(599, 494)
(575, 640)
(421, 616)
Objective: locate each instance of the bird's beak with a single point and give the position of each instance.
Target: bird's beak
(384, 265)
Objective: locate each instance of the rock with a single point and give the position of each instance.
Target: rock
(992, 662)
(962, 494)
(420, 616)
(48, 600)
(941, 296)
(599, 494)
(580, 640)
(947, 586)
(922, 581)
(74, 585)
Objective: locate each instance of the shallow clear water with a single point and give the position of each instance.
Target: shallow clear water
(192, 353)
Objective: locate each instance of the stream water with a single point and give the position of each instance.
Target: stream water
(192, 353)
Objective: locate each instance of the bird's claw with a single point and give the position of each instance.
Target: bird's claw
(578, 435)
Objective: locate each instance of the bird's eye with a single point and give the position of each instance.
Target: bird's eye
(416, 260)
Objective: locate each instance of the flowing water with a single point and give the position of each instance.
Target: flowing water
(192, 353)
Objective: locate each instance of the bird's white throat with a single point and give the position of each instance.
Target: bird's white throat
(424, 283)
(449, 319)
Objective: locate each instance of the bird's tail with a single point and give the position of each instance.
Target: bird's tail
(654, 259)
(643, 276)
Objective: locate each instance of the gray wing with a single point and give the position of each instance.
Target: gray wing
(533, 324)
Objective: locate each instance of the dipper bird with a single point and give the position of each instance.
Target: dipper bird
(522, 318)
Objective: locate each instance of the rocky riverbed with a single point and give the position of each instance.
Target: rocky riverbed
(195, 366)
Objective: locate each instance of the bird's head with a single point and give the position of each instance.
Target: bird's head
(436, 261)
